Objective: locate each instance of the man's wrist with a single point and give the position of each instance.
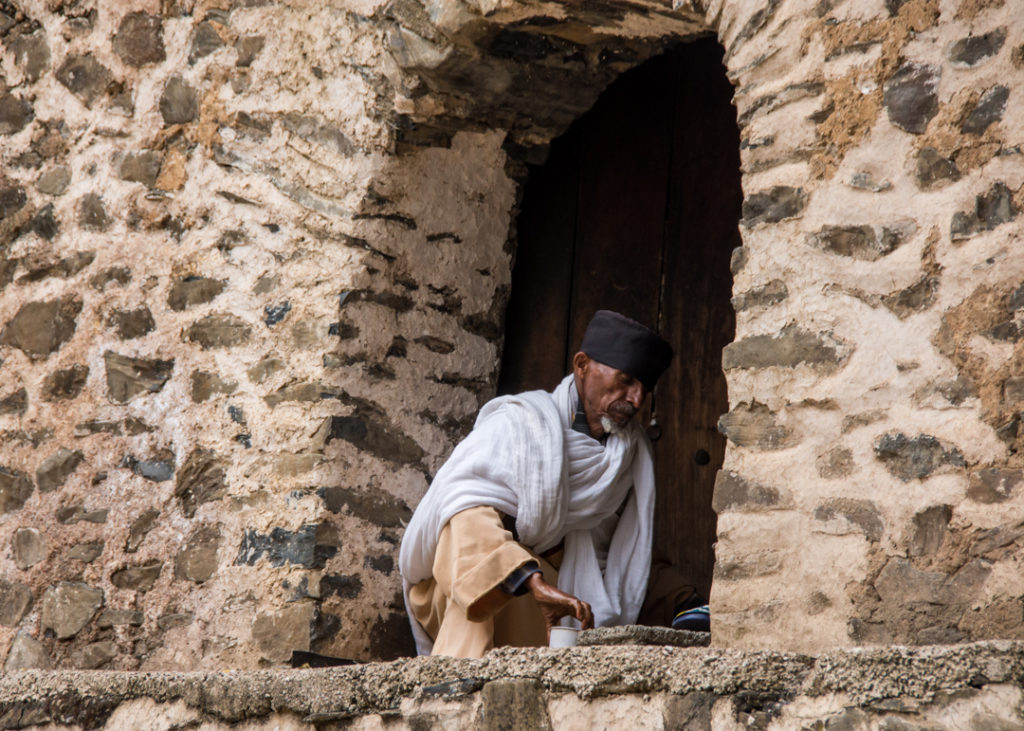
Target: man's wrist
(516, 583)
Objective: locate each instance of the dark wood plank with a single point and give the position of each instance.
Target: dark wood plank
(537, 318)
(624, 169)
(701, 231)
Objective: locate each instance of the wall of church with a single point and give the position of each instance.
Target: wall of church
(871, 489)
(254, 258)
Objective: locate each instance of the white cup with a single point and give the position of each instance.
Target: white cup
(563, 637)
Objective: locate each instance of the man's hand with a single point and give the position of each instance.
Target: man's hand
(555, 604)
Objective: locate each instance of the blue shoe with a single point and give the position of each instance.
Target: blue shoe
(697, 619)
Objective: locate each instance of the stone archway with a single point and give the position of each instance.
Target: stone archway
(636, 210)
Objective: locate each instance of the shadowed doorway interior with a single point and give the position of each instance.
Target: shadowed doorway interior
(636, 210)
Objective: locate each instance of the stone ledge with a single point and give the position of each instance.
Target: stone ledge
(862, 676)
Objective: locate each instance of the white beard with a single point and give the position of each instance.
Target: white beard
(610, 427)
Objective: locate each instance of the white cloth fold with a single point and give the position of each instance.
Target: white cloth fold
(524, 459)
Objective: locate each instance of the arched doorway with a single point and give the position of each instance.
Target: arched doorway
(636, 210)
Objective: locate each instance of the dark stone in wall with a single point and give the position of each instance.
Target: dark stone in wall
(131, 324)
(930, 528)
(384, 563)
(15, 601)
(753, 425)
(200, 480)
(71, 514)
(435, 345)
(858, 242)
(93, 655)
(219, 331)
(119, 618)
(204, 385)
(991, 209)
(910, 96)
(987, 111)
(15, 403)
(371, 433)
(179, 103)
(137, 578)
(307, 391)
(65, 383)
(932, 168)
(54, 181)
(113, 275)
(85, 552)
(248, 48)
(189, 291)
(91, 213)
(40, 328)
(12, 200)
(835, 463)
(691, 711)
(369, 503)
(141, 167)
(15, 113)
(56, 468)
(140, 527)
(26, 653)
(764, 296)
(128, 377)
(787, 349)
(273, 314)
(264, 369)
(139, 39)
(391, 638)
(85, 77)
(518, 699)
(972, 50)
(915, 298)
(861, 513)
(915, 458)
(28, 547)
(158, 468)
(994, 485)
(67, 607)
(31, 52)
(773, 205)
(63, 268)
(733, 492)
(310, 547)
(205, 40)
(198, 560)
(322, 628)
(45, 224)
(341, 586)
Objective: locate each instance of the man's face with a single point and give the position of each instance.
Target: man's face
(607, 394)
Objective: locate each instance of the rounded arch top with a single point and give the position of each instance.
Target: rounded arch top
(530, 68)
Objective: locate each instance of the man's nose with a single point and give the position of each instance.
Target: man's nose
(636, 394)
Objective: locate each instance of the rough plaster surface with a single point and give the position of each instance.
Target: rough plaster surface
(253, 265)
(970, 686)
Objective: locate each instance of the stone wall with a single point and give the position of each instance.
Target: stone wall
(871, 486)
(254, 258)
(976, 686)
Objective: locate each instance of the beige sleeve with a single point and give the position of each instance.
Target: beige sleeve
(474, 555)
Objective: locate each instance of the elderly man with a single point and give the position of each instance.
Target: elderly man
(545, 510)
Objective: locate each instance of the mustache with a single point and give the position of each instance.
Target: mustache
(621, 408)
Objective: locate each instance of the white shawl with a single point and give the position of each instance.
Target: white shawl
(524, 459)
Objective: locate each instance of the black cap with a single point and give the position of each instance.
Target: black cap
(619, 342)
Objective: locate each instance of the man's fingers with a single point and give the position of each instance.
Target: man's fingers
(584, 614)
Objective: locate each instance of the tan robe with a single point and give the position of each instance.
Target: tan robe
(474, 555)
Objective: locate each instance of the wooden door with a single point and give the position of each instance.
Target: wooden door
(636, 210)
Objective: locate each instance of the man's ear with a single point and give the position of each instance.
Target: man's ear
(580, 361)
